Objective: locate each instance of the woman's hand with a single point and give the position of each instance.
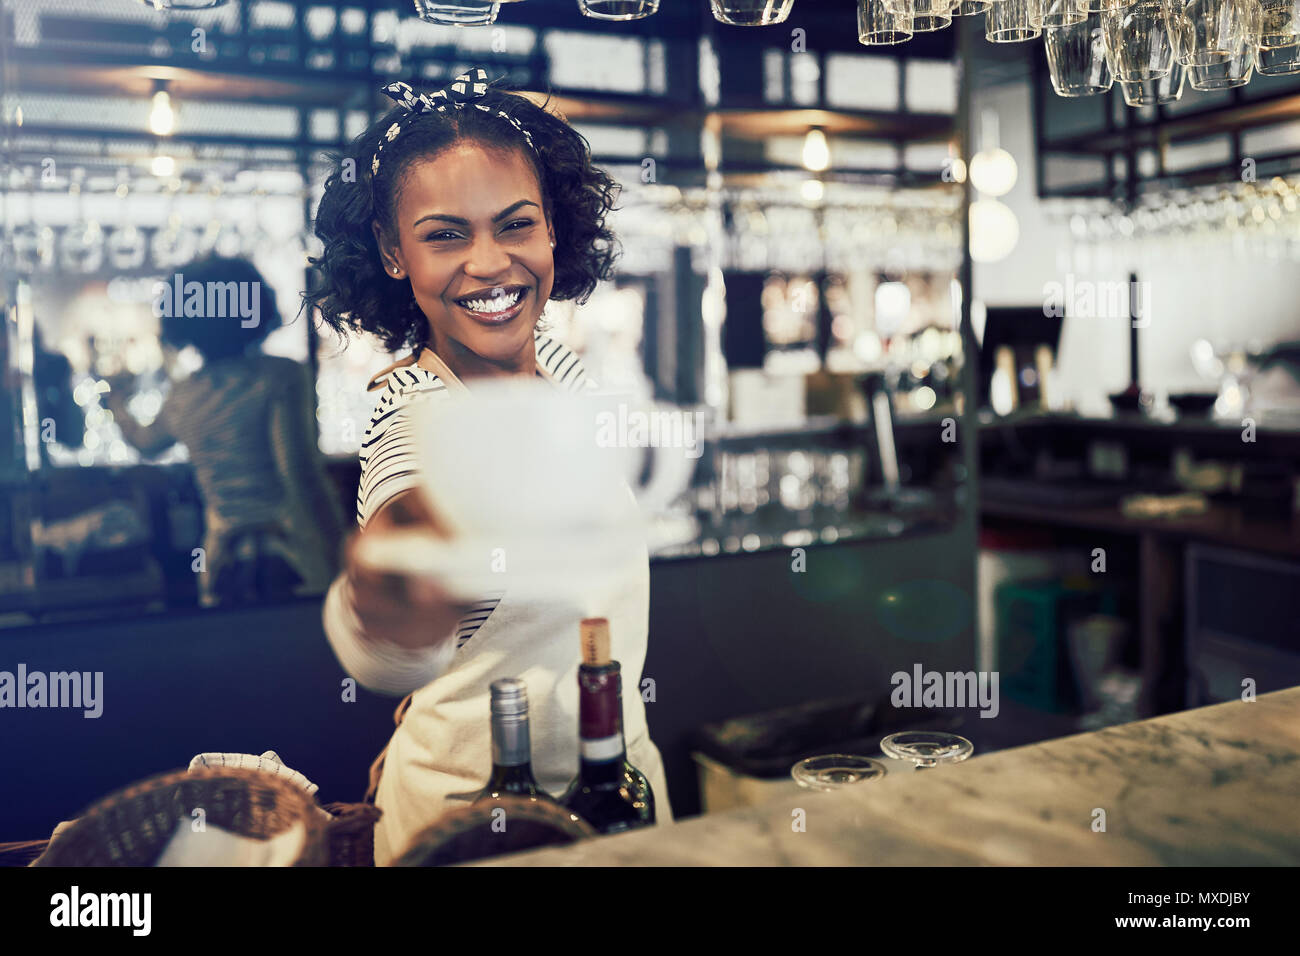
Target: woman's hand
(120, 387)
(406, 610)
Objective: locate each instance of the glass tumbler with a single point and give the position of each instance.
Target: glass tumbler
(458, 13)
(1216, 40)
(1057, 13)
(927, 15)
(1278, 60)
(1165, 89)
(1010, 21)
(751, 13)
(879, 25)
(618, 9)
(931, 15)
(1279, 37)
(1076, 58)
(1222, 74)
(969, 8)
(1138, 40)
(1279, 23)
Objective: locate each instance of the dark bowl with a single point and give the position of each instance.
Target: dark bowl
(1126, 402)
(1194, 403)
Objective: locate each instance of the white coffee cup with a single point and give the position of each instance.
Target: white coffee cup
(541, 488)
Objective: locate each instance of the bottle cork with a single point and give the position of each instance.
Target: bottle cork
(594, 632)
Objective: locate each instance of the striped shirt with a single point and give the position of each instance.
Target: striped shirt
(388, 460)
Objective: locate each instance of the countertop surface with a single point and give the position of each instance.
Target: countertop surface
(1214, 786)
(1223, 523)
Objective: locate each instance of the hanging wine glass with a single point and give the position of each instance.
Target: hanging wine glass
(81, 248)
(25, 247)
(45, 246)
(173, 245)
(126, 248)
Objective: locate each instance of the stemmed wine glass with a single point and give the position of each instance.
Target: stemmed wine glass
(927, 748)
(833, 771)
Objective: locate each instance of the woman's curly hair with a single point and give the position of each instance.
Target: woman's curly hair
(354, 293)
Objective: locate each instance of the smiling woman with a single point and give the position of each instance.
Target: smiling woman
(478, 271)
(472, 209)
(461, 204)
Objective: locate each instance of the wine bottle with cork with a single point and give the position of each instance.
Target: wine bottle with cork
(608, 792)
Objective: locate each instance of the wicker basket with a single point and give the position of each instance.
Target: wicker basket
(351, 834)
(22, 852)
(132, 826)
(351, 837)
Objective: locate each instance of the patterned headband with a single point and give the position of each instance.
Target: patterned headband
(462, 92)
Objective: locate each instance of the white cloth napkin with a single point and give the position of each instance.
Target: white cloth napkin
(268, 762)
(213, 846)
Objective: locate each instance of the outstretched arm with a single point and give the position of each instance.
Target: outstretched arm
(151, 439)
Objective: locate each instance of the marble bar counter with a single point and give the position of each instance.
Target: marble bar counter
(1214, 786)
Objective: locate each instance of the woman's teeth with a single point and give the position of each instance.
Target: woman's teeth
(493, 306)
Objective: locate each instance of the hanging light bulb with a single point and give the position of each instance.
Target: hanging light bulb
(162, 118)
(812, 190)
(994, 230)
(162, 165)
(992, 170)
(816, 151)
(893, 304)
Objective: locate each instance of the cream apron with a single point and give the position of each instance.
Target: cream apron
(440, 754)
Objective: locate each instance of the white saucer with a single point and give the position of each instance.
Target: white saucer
(567, 567)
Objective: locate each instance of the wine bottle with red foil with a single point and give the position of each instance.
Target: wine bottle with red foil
(512, 760)
(608, 792)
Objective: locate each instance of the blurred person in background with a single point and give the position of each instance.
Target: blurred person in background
(52, 376)
(273, 521)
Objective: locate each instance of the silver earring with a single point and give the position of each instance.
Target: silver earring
(395, 270)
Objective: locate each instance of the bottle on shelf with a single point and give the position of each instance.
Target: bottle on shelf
(608, 792)
(512, 761)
